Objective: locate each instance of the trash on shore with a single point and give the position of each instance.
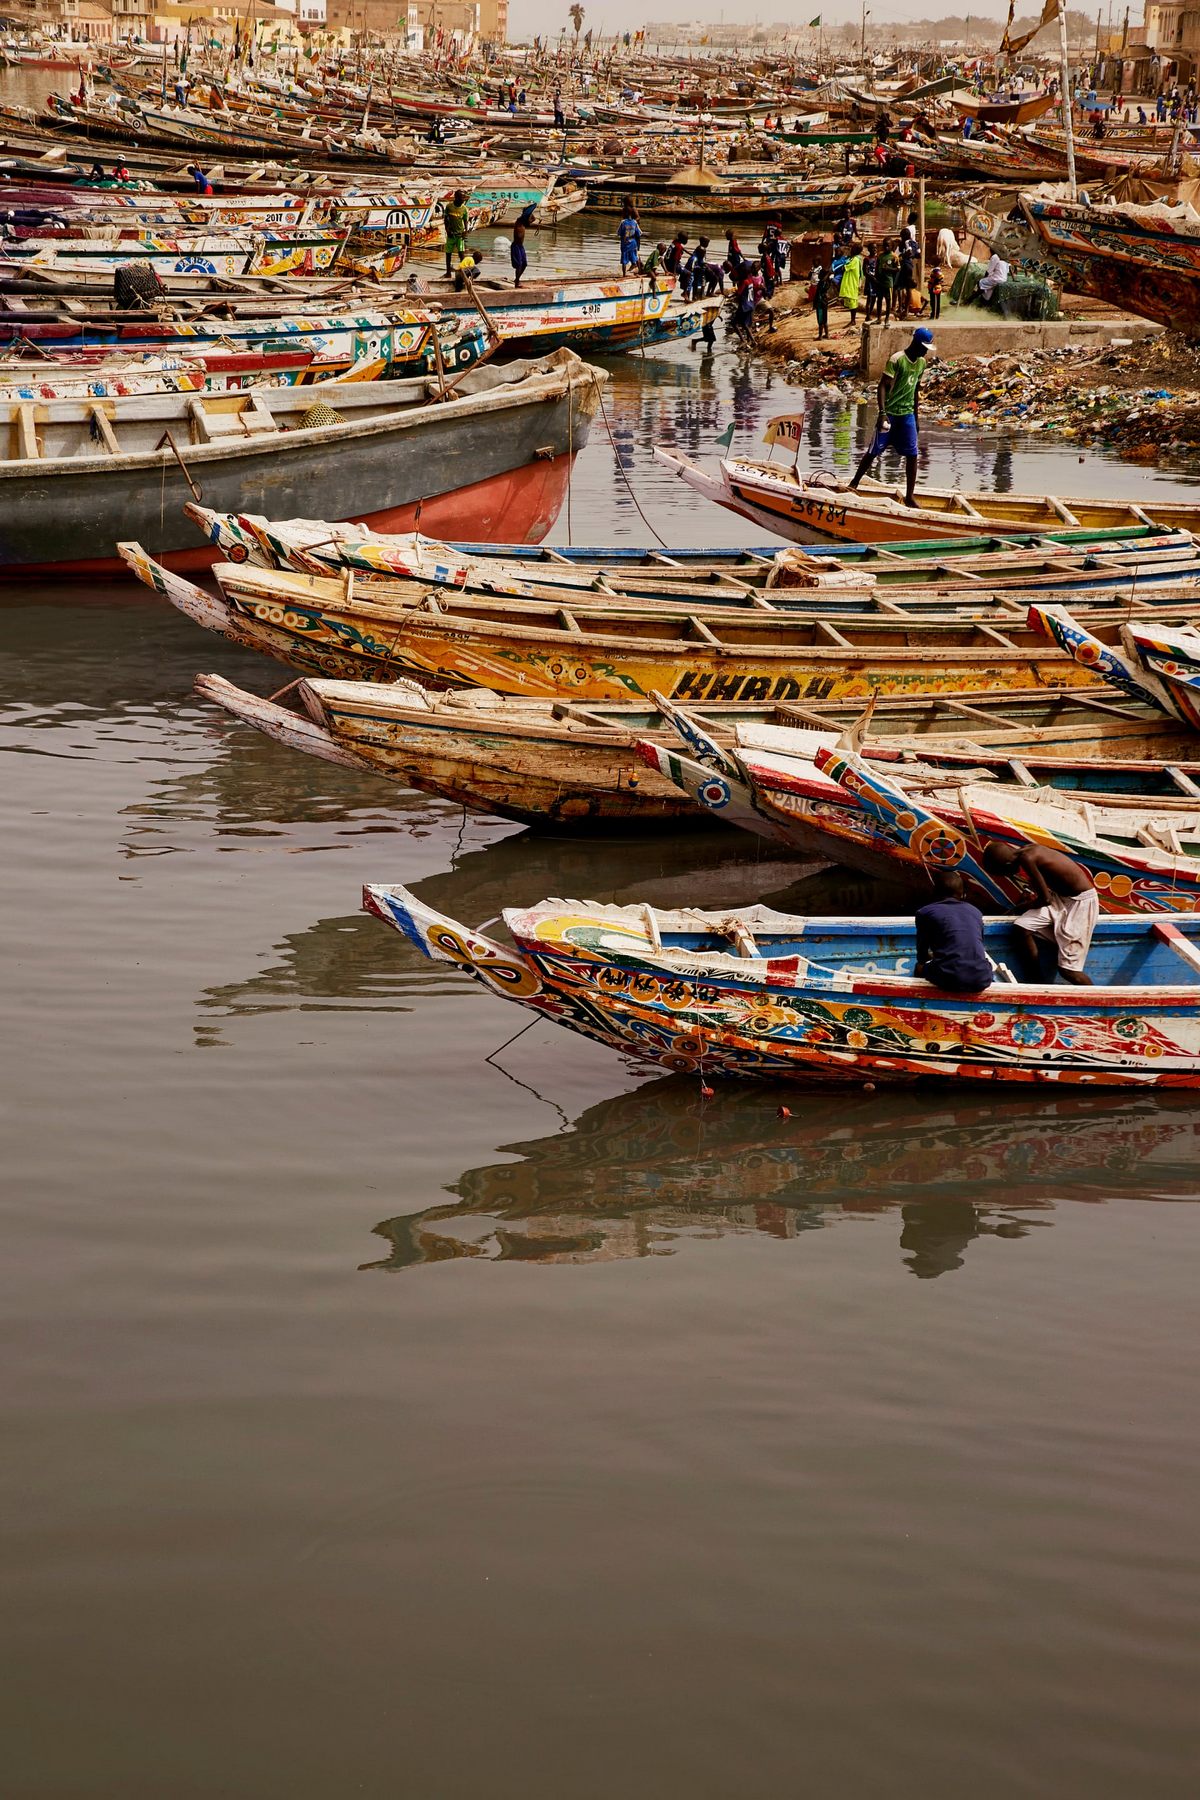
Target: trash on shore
(1142, 400)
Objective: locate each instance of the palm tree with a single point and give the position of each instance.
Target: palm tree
(576, 16)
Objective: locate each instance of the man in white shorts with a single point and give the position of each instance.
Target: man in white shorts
(1068, 903)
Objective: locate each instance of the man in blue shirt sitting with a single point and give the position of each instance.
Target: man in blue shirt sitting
(950, 951)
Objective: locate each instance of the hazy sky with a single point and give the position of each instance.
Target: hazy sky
(530, 16)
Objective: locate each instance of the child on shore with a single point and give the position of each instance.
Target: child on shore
(935, 291)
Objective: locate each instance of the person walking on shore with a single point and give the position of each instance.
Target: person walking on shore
(898, 425)
(850, 287)
(820, 297)
(935, 291)
(886, 267)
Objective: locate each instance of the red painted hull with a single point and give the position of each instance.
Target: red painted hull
(518, 507)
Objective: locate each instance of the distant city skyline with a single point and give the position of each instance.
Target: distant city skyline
(528, 17)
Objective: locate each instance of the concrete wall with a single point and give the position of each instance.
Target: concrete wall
(986, 336)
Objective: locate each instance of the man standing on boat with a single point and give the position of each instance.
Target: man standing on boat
(454, 219)
(1068, 904)
(518, 256)
(629, 238)
(899, 418)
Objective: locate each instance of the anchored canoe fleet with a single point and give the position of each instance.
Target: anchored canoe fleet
(897, 710)
(229, 373)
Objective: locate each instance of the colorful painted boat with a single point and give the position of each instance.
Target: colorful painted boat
(837, 577)
(513, 646)
(246, 253)
(1173, 658)
(586, 316)
(551, 764)
(1145, 259)
(117, 376)
(497, 452)
(1161, 666)
(1139, 863)
(759, 994)
(802, 506)
(402, 339)
(898, 811)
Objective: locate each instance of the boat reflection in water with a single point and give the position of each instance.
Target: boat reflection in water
(639, 1174)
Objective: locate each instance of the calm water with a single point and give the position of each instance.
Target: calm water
(852, 1453)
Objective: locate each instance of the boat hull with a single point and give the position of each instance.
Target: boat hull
(1122, 259)
(533, 773)
(842, 1012)
(487, 475)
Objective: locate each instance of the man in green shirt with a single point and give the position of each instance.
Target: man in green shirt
(454, 218)
(899, 410)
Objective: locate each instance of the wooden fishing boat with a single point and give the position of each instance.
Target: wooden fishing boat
(1002, 112)
(801, 506)
(1173, 658)
(1140, 862)
(553, 764)
(334, 338)
(245, 253)
(757, 993)
(590, 317)
(496, 451)
(1164, 564)
(114, 376)
(1145, 259)
(730, 198)
(354, 630)
(814, 790)
(1160, 665)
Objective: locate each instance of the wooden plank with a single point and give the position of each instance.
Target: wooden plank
(997, 637)
(198, 422)
(1173, 938)
(1064, 512)
(568, 619)
(701, 630)
(1021, 772)
(103, 425)
(1183, 782)
(833, 634)
(27, 432)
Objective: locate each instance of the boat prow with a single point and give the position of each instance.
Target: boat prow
(295, 729)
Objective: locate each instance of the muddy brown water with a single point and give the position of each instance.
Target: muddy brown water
(381, 1419)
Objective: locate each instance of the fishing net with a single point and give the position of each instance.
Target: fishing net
(320, 414)
(1020, 297)
(136, 284)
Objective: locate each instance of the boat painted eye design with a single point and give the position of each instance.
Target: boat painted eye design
(715, 793)
(938, 844)
(516, 980)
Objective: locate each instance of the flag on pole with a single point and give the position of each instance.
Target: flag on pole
(726, 437)
(813, 23)
(1011, 44)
